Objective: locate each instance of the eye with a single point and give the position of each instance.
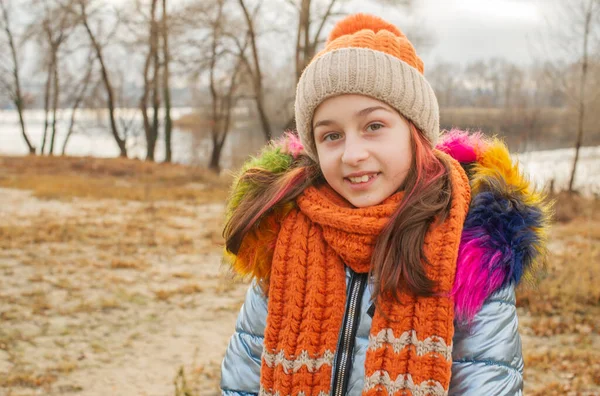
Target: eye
(375, 126)
(332, 136)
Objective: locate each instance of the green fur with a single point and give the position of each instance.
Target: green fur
(272, 159)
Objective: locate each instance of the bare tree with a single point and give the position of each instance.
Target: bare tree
(255, 71)
(307, 38)
(166, 77)
(156, 99)
(223, 86)
(311, 25)
(85, 21)
(13, 87)
(591, 12)
(576, 25)
(155, 82)
(151, 85)
(79, 93)
(445, 79)
(52, 28)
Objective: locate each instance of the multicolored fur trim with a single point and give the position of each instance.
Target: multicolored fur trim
(505, 233)
(256, 253)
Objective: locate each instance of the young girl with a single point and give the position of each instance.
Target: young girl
(383, 262)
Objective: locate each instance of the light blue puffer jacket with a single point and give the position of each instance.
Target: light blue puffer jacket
(507, 223)
(487, 358)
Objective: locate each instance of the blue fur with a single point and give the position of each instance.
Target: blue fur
(507, 225)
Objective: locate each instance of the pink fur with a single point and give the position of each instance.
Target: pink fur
(292, 144)
(477, 276)
(461, 145)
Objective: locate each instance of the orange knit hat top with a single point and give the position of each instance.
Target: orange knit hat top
(369, 31)
(366, 55)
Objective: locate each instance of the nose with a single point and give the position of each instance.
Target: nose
(354, 151)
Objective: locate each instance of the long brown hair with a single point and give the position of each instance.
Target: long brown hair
(398, 259)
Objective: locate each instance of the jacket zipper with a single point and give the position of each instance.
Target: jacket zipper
(343, 358)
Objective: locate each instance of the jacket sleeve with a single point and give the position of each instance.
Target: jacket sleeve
(240, 370)
(487, 357)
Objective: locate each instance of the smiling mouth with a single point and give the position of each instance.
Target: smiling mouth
(361, 179)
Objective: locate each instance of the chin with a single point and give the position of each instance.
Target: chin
(364, 202)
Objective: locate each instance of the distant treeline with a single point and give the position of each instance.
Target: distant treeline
(522, 129)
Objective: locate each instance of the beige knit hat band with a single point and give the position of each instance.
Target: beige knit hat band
(366, 72)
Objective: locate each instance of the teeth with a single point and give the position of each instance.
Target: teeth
(360, 179)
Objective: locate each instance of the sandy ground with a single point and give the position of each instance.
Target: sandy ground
(109, 297)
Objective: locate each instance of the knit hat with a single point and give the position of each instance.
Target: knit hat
(369, 56)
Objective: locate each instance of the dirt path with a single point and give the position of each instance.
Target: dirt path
(101, 297)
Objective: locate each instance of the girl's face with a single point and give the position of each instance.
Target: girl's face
(364, 148)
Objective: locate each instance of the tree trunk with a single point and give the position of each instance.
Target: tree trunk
(18, 96)
(155, 96)
(106, 79)
(71, 126)
(55, 98)
(22, 123)
(581, 105)
(77, 103)
(215, 157)
(302, 36)
(305, 46)
(150, 130)
(216, 114)
(580, 120)
(46, 106)
(144, 101)
(257, 76)
(166, 87)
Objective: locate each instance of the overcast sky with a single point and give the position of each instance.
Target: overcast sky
(467, 30)
(462, 30)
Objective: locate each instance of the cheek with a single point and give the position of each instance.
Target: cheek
(327, 160)
(398, 159)
(327, 166)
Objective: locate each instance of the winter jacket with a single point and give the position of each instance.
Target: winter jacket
(507, 222)
(487, 360)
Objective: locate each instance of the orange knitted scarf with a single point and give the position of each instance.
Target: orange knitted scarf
(410, 343)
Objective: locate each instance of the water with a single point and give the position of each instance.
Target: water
(92, 138)
(544, 166)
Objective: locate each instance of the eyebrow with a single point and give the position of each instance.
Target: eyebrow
(368, 110)
(360, 113)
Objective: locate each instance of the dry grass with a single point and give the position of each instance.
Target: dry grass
(166, 294)
(114, 178)
(577, 371)
(183, 275)
(571, 278)
(573, 207)
(563, 308)
(127, 264)
(27, 379)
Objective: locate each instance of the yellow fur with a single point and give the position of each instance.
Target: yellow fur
(494, 166)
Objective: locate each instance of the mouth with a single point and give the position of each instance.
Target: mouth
(361, 179)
